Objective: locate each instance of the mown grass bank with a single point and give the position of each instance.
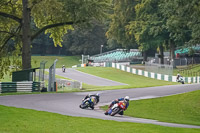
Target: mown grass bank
(132, 80)
(182, 108)
(68, 61)
(17, 120)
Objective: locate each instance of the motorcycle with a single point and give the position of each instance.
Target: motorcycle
(86, 103)
(116, 108)
(181, 80)
(63, 69)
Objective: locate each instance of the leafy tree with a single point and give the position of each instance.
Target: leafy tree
(183, 20)
(85, 40)
(149, 27)
(168, 24)
(55, 17)
(175, 13)
(41, 45)
(124, 12)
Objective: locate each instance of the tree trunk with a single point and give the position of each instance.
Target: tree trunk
(172, 49)
(26, 37)
(144, 56)
(161, 53)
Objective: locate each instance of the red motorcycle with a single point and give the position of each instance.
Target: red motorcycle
(116, 108)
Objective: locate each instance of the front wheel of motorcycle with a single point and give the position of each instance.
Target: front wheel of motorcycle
(115, 111)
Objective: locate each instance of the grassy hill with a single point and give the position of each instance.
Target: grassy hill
(17, 120)
(68, 61)
(182, 108)
(132, 80)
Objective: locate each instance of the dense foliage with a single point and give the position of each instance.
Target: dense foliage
(22, 21)
(146, 24)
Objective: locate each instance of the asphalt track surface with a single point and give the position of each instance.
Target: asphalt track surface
(68, 103)
(87, 78)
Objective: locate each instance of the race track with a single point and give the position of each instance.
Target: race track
(68, 103)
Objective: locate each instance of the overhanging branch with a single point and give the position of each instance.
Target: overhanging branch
(11, 36)
(6, 41)
(50, 26)
(11, 17)
(14, 34)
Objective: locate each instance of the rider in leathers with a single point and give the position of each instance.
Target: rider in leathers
(125, 99)
(92, 103)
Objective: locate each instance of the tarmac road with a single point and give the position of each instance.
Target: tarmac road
(87, 78)
(68, 103)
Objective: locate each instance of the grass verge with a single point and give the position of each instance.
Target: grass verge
(182, 108)
(68, 61)
(17, 120)
(133, 81)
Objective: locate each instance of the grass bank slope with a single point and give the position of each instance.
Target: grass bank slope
(16, 120)
(182, 108)
(68, 61)
(133, 81)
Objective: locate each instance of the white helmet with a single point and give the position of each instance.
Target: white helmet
(126, 98)
(97, 95)
(178, 74)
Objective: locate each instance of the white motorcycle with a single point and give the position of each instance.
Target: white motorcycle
(181, 80)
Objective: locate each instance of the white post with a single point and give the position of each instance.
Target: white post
(82, 58)
(101, 49)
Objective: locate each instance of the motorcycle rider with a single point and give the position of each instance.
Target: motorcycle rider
(125, 99)
(94, 96)
(178, 77)
(63, 68)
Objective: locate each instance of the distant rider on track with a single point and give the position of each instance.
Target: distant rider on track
(63, 68)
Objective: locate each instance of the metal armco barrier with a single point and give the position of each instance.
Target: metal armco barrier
(154, 75)
(29, 86)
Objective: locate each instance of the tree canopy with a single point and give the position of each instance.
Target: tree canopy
(151, 24)
(55, 17)
(166, 23)
(123, 13)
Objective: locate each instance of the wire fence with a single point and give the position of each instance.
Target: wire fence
(159, 68)
(190, 70)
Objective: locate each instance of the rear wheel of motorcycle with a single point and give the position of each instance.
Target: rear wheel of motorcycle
(115, 111)
(85, 105)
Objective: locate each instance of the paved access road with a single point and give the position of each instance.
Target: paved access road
(68, 103)
(87, 78)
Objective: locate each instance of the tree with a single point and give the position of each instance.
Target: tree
(50, 16)
(85, 40)
(177, 16)
(183, 20)
(149, 27)
(124, 12)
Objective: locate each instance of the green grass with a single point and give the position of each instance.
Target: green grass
(68, 61)
(188, 71)
(17, 120)
(182, 108)
(6, 78)
(133, 81)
